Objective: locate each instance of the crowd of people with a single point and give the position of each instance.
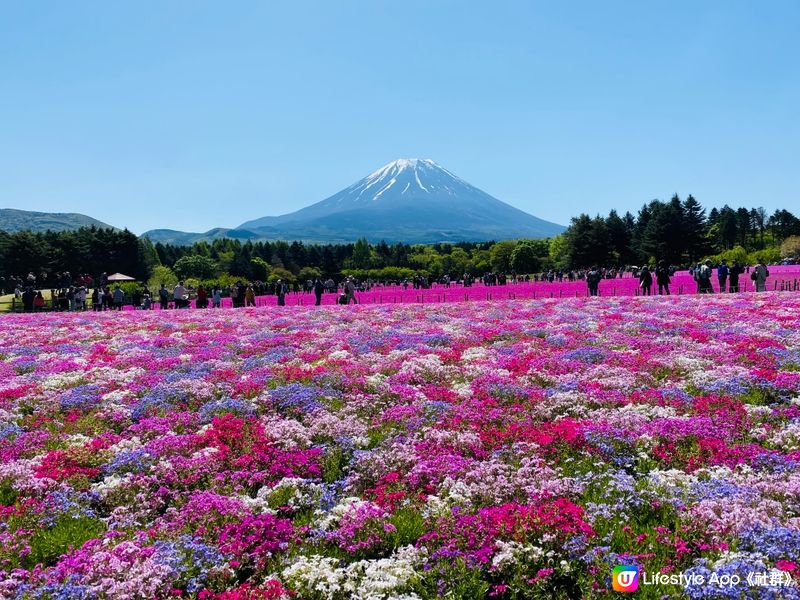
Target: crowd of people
(87, 293)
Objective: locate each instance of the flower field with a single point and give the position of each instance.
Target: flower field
(506, 449)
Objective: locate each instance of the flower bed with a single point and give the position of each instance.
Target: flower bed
(505, 449)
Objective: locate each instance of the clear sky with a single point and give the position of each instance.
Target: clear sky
(191, 115)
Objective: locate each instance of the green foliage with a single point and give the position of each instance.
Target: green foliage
(309, 273)
(678, 231)
(333, 463)
(790, 248)
(500, 256)
(261, 269)
(736, 253)
(558, 252)
(768, 256)
(362, 255)
(281, 273)
(7, 494)
(527, 257)
(386, 273)
(409, 524)
(47, 545)
(197, 266)
(162, 274)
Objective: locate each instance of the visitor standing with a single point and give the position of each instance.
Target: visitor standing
(319, 288)
(202, 297)
(179, 295)
(703, 277)
(163, 297)
(722, 276)
(645, 281)
(280, 292)
(350, 290)
(662, 278)
(733, 274)
(593, 281)
(216, 297)
(119, 296)
(249, 296)
(759, 276)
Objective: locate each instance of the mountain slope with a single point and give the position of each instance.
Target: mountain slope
(185, 238)
(409, 200)
(12, 220)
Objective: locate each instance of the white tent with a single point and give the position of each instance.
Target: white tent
(120, 277)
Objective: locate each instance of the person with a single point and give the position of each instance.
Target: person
(147, 302)
(722, 276)
(179, 295)
(249, 296)
(27, 299)
(319, 288)
(38, 301)
(280, 292)
(733, 274)
(702, 276)
(80, 298)
(97, 301)
(202, 297)
(163, 297)
(645, 281)
(350, 290)
(759, 276)
(593, 281)
(216, 297)
(235, 295)
(119, 296)
(662, 278)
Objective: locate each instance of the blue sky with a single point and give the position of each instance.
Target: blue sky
(191, 115)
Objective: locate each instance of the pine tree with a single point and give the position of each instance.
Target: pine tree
(694, 229)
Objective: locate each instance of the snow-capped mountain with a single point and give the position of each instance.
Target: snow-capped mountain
(408, 200)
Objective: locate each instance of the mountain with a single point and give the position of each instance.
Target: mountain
(408, 200)
(184, 238)
(12, 220)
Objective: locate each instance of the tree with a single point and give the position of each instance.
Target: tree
(362, 254)
(558, 253)
(588, 241)
(694, 229)
(744, 227)
(727, 227)
(525, 259)
(162, 274)
(260, 268)
(281, 273)
(198, 267)
(663, 237)
(620, 236)
(500, 256)
(309, 274)
(790, 248)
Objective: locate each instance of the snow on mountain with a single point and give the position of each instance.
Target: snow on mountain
(409, 199)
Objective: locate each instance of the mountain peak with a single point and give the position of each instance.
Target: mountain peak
(408, 199)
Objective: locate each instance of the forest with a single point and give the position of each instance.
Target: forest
(680, 232)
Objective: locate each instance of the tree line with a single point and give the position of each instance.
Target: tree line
(678, 231)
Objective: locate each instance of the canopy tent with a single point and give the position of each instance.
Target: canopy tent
(120, 277)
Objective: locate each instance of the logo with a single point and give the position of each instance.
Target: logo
(625, 578)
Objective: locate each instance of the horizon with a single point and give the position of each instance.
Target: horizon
(226, 116)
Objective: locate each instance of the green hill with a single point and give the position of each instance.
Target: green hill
(12, 220)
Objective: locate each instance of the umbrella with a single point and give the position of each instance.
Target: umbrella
(120, 277)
